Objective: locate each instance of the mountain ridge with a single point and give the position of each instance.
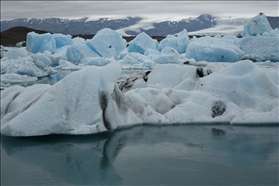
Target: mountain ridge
(126, 26)
(85, 26)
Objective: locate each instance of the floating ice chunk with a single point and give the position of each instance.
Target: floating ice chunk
(133, 60)
(258, 117)
(107, 43)
(62, 40)
(25, 66)
(250, 80)
(123, 54)
(142, 42)
(40, 42)
(257, 25)
(260, 48)
(66, 65)
(214, 49)
(16, 78)
(15, 53)
(179, 43)
(170, 75)
(78, 40)
(151, 52)
(158, 100)
(41, 60)
(168, 55)
(81, 103)
(96, 61)
(75, 53)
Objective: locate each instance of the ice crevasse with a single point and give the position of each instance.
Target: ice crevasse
(89, 101)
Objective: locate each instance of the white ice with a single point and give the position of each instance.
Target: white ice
(203, 80)
(89, 101)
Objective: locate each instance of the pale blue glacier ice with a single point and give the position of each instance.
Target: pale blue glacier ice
(206, 80)
(62, 40)
(214, 49)
(107, 43)
(40, 42)
(167, 55)
(179, 42)
(257, 25)
(76, 53)
(15, 53)
(89, 101)
(95, 61)
(16, 78)
(261, 48)
(142, 42)
(37, 65)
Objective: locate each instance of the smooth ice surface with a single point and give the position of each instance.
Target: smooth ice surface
(257, 25)
(62, 40)
(76, 53)
(76, 104)
(141, 43)
(214, 49)
(261, 48)
(40, 42)
(107, 43)
(15, 53)
(178, 42)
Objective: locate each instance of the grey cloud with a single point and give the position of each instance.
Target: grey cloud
(78, 9)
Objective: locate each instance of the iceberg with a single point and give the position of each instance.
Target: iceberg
(261, 48)
(142, 42)
(15, 53)
(167, 55)
(78, 104)
(214, 49)
(179, 42)
(62, 40)
(107, 43)
(257, 25)
(75, 53)
(16, 78)
(96, 61)
(30, 66)
(91, 101)
(40, 42)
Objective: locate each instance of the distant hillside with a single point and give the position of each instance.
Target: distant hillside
(85, 26)
(273, 21)
(17, 34)
(73, 26)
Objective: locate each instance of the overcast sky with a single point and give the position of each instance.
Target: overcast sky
(79, 9)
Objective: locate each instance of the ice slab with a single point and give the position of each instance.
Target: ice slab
(107, 43)
(214, 49)
(89, 101)
(142, 42)
(40, 42)
(257, 25)
(178, 42)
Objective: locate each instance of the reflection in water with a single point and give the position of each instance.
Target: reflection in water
(94, 159)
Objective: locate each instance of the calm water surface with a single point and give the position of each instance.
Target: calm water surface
(146, 155)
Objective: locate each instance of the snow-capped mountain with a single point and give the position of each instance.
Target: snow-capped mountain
(202, 25)
(128, 26)
(70, 26)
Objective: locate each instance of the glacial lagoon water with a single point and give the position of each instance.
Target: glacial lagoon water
(146, 155)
